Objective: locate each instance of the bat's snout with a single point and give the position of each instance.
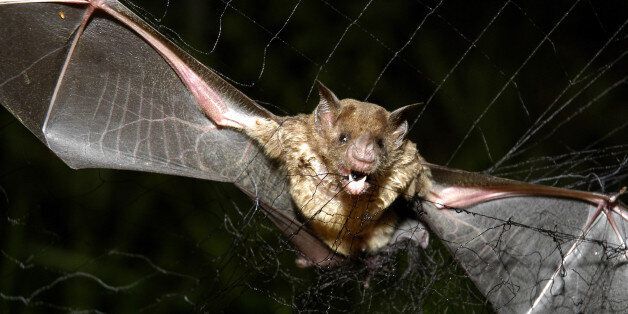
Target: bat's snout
(361, 155)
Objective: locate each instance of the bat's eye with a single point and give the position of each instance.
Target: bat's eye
(380, 142)
(343, 138)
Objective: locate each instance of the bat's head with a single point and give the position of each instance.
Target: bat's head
(358, 140)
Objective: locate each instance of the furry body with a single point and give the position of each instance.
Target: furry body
(347, 223)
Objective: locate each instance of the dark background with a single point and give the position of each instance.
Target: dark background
(488, 72)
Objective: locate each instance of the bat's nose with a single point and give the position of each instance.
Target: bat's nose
(362, 153)
(366, 155)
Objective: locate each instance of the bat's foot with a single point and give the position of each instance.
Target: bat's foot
(412, 231)
(410, 236)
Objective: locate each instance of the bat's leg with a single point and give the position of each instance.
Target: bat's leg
(463, 197)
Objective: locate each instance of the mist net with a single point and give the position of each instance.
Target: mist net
(528, 90)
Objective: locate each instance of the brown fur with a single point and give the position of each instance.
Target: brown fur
(312, 155)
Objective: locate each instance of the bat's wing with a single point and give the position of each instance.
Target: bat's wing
(533, 253)
(102, 97)
(102, 89)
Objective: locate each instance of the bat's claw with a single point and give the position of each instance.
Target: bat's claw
(614, 199)
(609, 206)
(413, 231)
(616, 205)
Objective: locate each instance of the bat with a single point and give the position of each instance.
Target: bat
(356, 169)
(194, 146)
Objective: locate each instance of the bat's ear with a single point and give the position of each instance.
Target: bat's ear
(398, 122)
(328, 107)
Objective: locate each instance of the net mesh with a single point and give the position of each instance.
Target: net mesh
(533, 91)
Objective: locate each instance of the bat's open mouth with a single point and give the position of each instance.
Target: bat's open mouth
(356, 182)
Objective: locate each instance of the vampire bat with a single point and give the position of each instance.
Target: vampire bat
(44, 84)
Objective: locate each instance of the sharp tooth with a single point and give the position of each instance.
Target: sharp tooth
(363, 179)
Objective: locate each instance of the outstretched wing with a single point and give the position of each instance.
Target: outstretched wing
(102, 89)
(102, 97)
(527, 253)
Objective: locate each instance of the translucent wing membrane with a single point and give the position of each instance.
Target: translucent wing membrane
(95, 109)
(534, 252)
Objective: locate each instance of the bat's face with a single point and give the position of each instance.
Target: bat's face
(358, 145)
(359, 141)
